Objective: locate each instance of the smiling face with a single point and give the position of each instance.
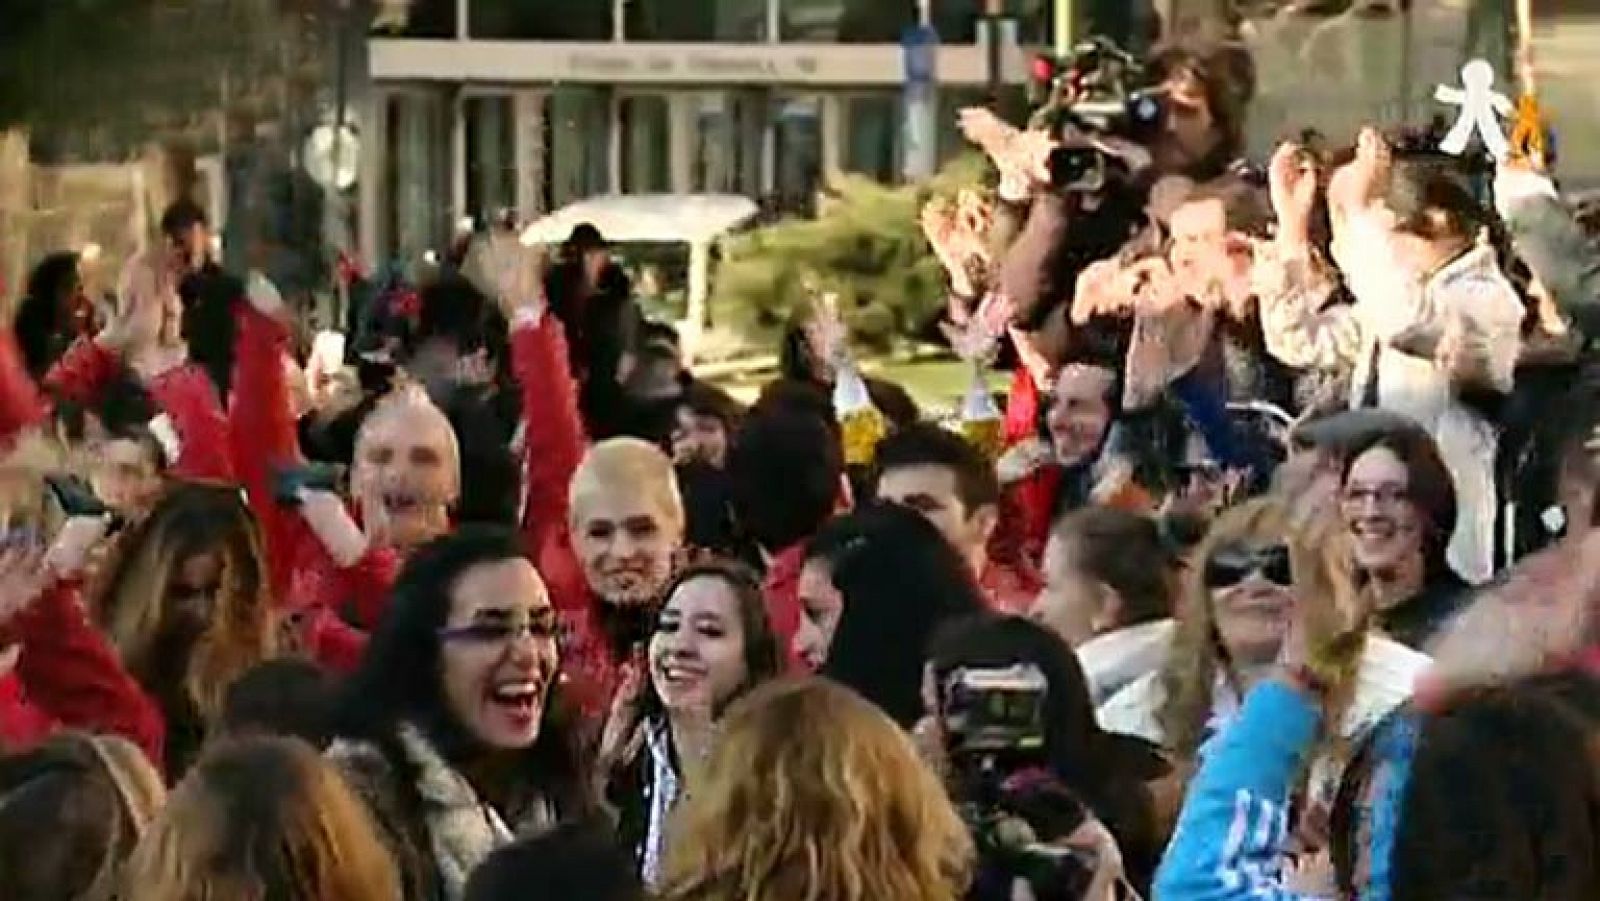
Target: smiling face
(126, 475)
(821, 605)
(1385, 524)
(406, 460)
(625, 544)
(1199, 232)
(1252, 601)
(498, 655)
(1079, 413)
(697, 654)
(698, 437)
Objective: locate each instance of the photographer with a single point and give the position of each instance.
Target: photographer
(1189, 125)
(1011, 723)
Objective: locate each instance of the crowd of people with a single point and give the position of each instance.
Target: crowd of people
(1278, 580)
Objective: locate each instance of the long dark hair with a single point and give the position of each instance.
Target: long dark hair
(398, 680)
(1107, 771)
(900, 581)
(763, 658)
(43, 325)
(1430, 487)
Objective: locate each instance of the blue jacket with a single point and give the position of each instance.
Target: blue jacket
(1230, 837)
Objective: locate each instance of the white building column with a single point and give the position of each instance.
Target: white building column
(527, 108)
(683, 115)
(458, 156)
(374, 119)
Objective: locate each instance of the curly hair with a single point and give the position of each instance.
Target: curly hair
(846, 813)
(1196, 658)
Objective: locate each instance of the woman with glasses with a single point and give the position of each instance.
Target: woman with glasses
(452, 729)
(1398, 503)
(1240, 598)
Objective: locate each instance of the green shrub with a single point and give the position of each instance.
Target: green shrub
(865, 245)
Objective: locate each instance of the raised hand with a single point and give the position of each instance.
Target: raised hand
(1292, 183)
(1098, 292)
(264, 296)
(502, 267)
(1355, 187)
(69, 554)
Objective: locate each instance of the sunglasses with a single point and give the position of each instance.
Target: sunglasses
(1231, 565)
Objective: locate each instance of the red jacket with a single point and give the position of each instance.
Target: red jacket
(552, 450)
(69, 677)
(184, 393)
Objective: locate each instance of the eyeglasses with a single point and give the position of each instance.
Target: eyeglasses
(1230, 566)
(1378, 495)
(501, 631)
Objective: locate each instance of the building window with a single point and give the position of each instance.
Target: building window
(577, 125)
(697, 20)
(541, 20)
(872, 135)
(727, 143)
(491, 156)
(797, 170)
(845, 21)
(646, 144)
(418, 211)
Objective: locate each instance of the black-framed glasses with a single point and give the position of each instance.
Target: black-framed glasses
(500, 631)
(1228, 567)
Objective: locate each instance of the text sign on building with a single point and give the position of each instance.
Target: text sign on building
(703, 65)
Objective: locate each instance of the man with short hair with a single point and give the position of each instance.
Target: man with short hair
(938, 474)
(209, 293)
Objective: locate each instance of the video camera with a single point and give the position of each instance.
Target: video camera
(993, 718)
(1098, 90)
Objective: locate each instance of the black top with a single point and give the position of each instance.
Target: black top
(1415, 621)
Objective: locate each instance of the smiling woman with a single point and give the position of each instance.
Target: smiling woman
(712, 643)
(453, 729)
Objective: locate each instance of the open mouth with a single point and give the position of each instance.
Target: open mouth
(678, 677)
(401, 502)
(518, 700)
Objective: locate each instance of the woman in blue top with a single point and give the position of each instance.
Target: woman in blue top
(1488, 797)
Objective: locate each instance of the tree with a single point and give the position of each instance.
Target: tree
(99, 78)
(865, 245)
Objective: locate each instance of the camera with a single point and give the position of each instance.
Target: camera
(1096, 91)
(993, 720)
(994, 710)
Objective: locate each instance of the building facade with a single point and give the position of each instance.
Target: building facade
(479, 105)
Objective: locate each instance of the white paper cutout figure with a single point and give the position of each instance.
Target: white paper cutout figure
(1481, 106)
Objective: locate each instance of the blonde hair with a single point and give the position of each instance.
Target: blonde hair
(813, 794)
(631, 465)
(1324, 590)
(130, 600)
(24, 464)
(408, 396)
(262, 818)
